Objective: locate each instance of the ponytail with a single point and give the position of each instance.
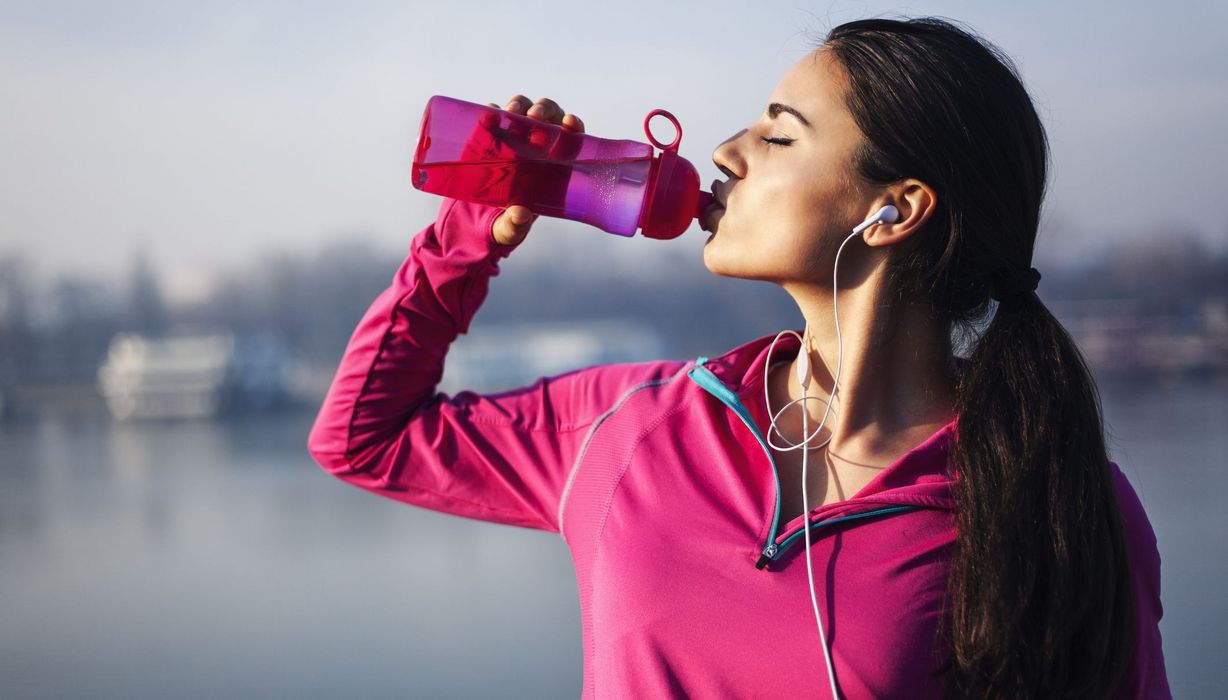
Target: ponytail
(1041, 602)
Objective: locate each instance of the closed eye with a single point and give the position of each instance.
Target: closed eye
(777, 141)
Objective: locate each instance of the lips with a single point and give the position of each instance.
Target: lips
(717, 205)
(712, 211)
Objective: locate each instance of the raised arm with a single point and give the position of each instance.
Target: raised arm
(501, 457)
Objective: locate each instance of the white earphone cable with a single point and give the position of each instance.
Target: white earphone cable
(888, 214)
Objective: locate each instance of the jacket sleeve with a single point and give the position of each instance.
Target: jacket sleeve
(1146, 676)
(501, 457)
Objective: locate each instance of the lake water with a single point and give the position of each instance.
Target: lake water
(218, 560)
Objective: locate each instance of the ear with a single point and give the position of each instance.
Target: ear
(915, 201)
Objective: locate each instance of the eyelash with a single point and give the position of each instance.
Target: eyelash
(777, 142)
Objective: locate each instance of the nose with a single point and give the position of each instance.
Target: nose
(728, 158)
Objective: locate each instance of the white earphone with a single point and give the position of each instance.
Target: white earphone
(887, 214)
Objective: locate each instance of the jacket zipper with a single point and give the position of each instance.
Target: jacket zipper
(771, 550)
(788, 542)
(703, 376)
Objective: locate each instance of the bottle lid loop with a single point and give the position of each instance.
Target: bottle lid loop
(673, 147)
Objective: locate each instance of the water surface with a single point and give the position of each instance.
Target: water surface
(216, 559)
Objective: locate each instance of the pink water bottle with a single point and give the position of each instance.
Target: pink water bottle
(477, 153)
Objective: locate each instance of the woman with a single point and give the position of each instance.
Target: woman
(967, 534)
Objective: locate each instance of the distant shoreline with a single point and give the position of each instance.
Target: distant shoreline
(82, 399)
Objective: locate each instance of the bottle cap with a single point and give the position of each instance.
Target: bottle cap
(672, 199)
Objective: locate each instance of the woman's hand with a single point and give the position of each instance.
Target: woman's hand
(514, 223)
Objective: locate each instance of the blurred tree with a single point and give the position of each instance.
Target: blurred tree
(313, 300)
(84, 317)
(17, 338)
(146, 311)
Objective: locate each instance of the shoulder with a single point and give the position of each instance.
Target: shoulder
(600, 389)
(1146, 675)
(626, 379)
(1139, 533)
(1141, 545)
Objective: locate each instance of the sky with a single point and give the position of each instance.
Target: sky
(207, 134)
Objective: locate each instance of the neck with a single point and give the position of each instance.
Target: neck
(896, 374)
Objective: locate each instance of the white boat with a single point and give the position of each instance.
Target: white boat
(183, 376)
(496, 357)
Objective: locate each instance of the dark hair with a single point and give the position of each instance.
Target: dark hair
(1039, 596)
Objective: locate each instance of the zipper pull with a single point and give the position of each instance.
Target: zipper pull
(768, 552)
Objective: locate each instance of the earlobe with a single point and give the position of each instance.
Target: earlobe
(890, 234)
(880, 234)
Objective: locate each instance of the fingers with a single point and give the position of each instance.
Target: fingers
(547, 109)
(520, 215)
(512, 225)
(518, 104)
(544, 109)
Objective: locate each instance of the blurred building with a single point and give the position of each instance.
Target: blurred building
(192, 374)
(1120, 340)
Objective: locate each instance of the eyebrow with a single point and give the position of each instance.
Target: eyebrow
(776, 108)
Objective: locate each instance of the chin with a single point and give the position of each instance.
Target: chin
(727, 263)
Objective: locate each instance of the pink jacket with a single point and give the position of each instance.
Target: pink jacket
(657, 476)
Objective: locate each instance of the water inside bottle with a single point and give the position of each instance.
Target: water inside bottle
(606, 193)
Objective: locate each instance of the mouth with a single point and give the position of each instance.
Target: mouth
(711, 215)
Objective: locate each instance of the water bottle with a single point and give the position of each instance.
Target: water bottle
(478, 153)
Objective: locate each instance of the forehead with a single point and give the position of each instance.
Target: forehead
(815, 86)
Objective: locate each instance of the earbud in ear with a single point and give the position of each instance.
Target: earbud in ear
(887, 215)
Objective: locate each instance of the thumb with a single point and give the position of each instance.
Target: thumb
(513, 224)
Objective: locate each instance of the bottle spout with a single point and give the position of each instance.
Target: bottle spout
(705, 198)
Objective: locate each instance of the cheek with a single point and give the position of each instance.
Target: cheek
(779, 227)
(790, 223)
(797, 249)
(769, 210)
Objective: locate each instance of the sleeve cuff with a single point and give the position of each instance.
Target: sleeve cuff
(479, 233)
